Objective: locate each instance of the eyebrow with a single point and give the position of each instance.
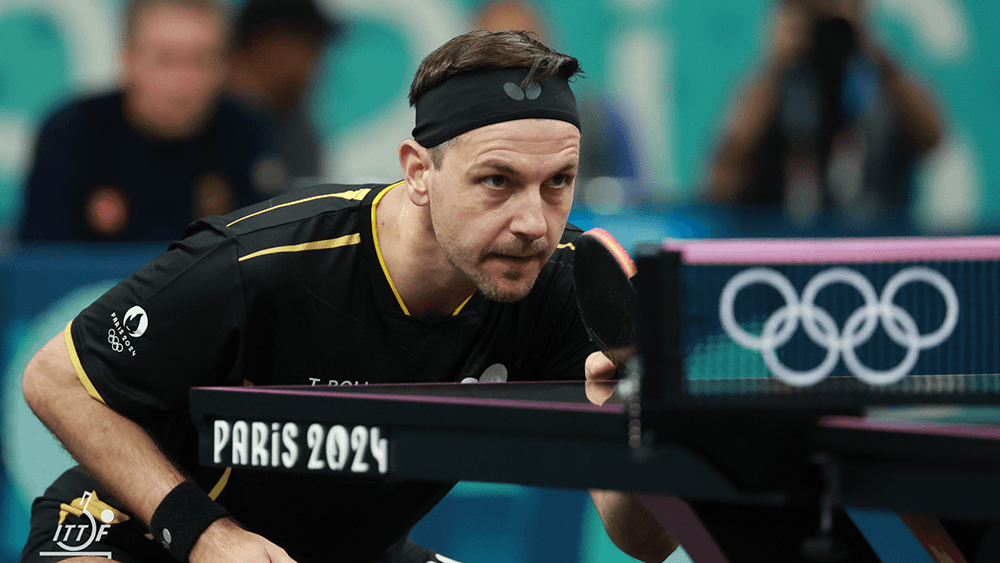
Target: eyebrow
(513, 172)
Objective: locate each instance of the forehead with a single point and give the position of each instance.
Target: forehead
(177, 25)
(535, 138)
(828, 7)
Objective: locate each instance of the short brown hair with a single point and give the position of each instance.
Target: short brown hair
(138, 8)
(480, 49)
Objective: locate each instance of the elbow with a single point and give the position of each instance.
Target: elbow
(631, 527)
(33, 385)
(46, 381)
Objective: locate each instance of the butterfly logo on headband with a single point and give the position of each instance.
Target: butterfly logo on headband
(531, 91)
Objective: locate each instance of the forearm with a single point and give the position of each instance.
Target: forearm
(123, 457)
(743, 134)
(632, 527)
(915, 106)
(116, 451)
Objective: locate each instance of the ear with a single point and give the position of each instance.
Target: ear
(417, 167)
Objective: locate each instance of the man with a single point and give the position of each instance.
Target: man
(279, 44)
(462, 265)
(831, 121)
(143, 162)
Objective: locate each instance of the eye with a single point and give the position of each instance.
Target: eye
(496, 181)
(559, 181)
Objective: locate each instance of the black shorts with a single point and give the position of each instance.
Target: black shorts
(60, 529)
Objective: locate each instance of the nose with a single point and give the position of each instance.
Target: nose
(528, 214)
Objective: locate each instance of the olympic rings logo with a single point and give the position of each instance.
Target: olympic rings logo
(821, 328)
(114, 341)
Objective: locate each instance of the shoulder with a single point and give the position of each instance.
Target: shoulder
(323, 216)
(301, 205)
(563, 255)
(77, 115)
(557, 274)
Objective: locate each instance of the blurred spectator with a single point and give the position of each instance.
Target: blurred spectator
(609, 168)
(278, 46)
(830, 121)
(142, 162)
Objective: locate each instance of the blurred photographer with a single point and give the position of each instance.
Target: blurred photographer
(830, 120)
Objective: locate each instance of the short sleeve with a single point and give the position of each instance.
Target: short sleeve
(174, 324)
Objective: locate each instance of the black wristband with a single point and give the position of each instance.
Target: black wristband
(182, 516)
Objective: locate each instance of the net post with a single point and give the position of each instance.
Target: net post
(659, 320)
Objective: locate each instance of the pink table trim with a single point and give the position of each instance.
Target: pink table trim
(854, 250)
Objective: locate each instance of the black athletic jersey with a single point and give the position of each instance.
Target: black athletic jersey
(294, 291)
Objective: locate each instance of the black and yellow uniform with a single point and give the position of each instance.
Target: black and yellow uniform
(295, 291)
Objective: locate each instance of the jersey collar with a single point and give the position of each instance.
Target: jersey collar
(381, 259)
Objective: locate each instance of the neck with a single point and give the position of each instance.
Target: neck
(426, 281)
(137, 118)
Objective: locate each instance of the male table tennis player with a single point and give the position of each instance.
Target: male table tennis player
(462, 266)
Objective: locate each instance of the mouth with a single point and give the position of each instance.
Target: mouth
(514, 258)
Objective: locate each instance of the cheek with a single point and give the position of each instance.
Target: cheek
(558, 211)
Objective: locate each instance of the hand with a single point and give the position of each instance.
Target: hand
(599, 370)
(226, 541)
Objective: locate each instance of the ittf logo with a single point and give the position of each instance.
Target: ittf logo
(516, 93)
(74, 539)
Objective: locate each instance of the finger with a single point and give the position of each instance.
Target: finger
(599, 391)
(598, 367)
(278, 555)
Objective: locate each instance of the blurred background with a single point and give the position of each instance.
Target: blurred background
(720, 118)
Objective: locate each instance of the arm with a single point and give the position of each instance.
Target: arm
(753, 109)
(110, 447)
(632, 527)
(746, 125)
(629, 524)
(916, 108)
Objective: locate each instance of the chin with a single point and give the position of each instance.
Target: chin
(504, 297)
(508, 293)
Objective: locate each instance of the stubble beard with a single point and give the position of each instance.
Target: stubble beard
(467, 262)
(487, 284)
(491, 290)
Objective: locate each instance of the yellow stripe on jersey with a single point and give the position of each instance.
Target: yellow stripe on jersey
(459, 310)
(356, 195)
(93, 505)
(378, 250)
(223, 481)
(346, 240)
(568, 245)
(77, 366)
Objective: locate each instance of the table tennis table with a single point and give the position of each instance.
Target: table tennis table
(832, 423)
(942, 462)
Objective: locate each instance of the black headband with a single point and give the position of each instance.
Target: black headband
(484, 97)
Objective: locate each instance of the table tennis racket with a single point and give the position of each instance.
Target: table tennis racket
(602, 277)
